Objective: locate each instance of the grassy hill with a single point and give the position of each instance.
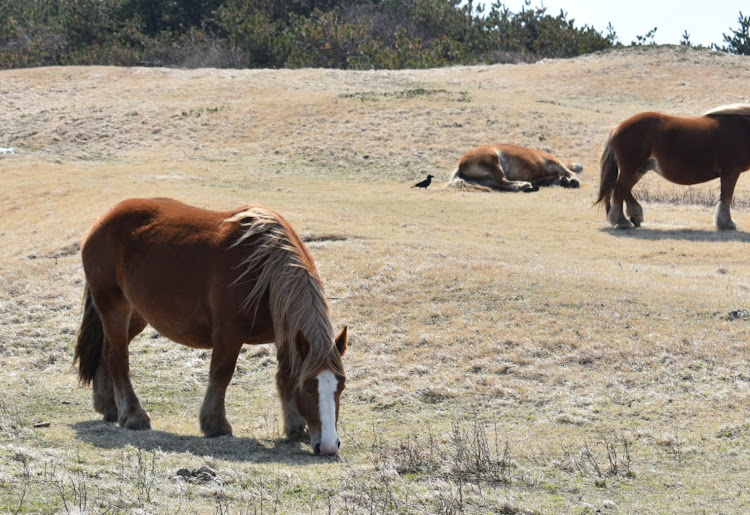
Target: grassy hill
(510, 352)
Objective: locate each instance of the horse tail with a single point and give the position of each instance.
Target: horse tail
(90, 342)
(457, 181)
(609, 173)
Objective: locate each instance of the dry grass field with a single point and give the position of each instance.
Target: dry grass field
(510, 353)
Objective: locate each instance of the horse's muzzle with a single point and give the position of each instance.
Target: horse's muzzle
(326, 452)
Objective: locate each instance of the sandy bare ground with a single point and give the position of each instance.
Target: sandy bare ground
(509, 351)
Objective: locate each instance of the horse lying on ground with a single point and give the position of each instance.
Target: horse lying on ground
(512, 168)
(209, 280)
(682, 150)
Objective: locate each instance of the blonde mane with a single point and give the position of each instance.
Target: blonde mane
(296, 298)
(732, 109)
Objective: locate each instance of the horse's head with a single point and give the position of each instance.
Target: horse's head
(317, 397)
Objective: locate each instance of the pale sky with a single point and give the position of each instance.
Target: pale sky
(705, 21)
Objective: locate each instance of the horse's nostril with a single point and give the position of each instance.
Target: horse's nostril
(338, 444)
(316, 449)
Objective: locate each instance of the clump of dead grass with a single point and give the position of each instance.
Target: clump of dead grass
(610, 456)
(685, 196)
(479, 456)
(473, 456)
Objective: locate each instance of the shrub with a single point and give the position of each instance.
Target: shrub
(738, 41)
(357, 34)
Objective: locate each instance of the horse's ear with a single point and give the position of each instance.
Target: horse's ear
(303, 346)
(342, 342)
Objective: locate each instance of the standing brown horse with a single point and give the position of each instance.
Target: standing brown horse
(512, 168)
(209, 280)
(682, 150)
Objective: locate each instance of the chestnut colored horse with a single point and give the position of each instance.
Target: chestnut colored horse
(512, 168)
(209, 280)
(682, 150)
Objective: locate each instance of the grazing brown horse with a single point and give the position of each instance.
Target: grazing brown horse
(512, 168)
(682, 150)
(209, 280)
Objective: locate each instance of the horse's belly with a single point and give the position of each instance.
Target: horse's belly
(196, 320)
(179, 328)
(477, 172)
(687, 173)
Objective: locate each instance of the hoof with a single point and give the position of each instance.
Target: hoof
(137, 421)
(624, 224)
(530, 188)
(570, 182)
(636, 221)
(110, 414)
(728, 227)
(214, 429)
(298, 435)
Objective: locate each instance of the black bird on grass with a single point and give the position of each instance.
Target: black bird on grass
(424, 183)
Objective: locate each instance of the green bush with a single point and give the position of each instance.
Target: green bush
(738, 42)
(358, 34)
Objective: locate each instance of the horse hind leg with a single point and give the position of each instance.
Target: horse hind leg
(575, 167)
(505, 184)
(616, 216)
(633, 209)
(103, 392)
(549, 180)
(623, 193)
(118, 319)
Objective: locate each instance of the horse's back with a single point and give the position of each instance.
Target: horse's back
(685, 148)
(144, 228)
(171, 261)
(655, 126)
(136, 212)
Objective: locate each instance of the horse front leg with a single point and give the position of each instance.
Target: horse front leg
(570, 181)
(213, 415)
(722, 216)
(294, 422)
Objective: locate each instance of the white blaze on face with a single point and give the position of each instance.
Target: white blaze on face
(327, 386)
